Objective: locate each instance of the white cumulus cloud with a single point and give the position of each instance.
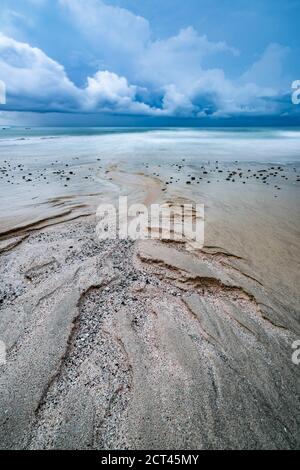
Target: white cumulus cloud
(36, 82)
(140, 75)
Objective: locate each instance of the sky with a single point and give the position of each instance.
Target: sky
(149, 62)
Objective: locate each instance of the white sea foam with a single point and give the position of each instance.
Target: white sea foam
(258, 145)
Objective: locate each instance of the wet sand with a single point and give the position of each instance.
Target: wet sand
(149, 344)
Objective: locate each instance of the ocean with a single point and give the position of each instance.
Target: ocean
(224, 144)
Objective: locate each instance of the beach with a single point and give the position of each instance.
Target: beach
(149, 344)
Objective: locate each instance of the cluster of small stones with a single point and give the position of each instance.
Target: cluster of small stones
(218, 172)
(57, 171)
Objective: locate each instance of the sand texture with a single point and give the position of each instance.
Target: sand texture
(152, 344)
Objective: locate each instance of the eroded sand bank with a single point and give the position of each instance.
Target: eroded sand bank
(150, 344)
